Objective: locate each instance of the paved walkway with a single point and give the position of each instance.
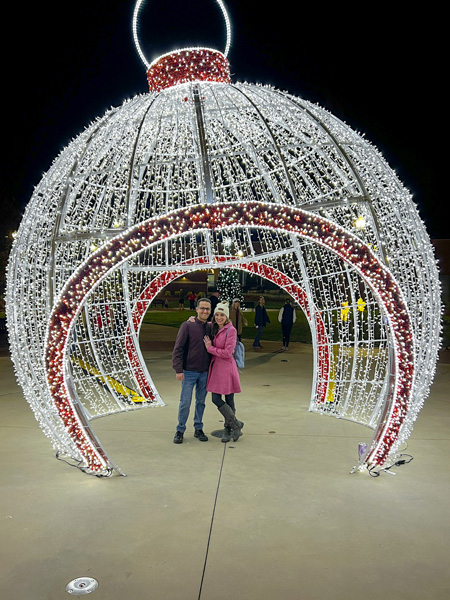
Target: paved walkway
(273, 516)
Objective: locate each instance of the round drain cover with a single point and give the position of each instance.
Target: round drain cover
(82, 586)
(217, 433)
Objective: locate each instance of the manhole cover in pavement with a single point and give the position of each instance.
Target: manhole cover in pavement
(82, 586)
(217, 433)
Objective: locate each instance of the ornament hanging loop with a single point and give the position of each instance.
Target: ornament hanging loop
(136, 12)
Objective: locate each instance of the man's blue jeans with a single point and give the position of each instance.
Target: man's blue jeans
(257, 340)
(191, 379)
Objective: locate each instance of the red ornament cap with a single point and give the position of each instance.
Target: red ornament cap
(191, 64)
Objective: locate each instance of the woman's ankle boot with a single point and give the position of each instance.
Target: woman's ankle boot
(226, 435)
(230, 419)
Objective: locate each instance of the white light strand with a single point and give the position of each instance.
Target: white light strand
(135, 25)
(141, 161)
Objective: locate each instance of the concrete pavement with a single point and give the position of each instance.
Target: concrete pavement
(274, 515)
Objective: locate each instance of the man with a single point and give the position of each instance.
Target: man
(191, 363)
(287, 318)
(181, 300)
(214, 299)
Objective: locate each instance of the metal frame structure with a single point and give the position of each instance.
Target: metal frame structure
(155, 188)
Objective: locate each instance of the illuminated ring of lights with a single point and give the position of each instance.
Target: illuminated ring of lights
(267, 272)
(137, 9)
(274, 217)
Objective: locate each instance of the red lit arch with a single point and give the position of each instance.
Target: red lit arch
(272, 216)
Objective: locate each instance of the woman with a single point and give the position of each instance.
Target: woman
(223, 376)
(237, 318)
(261, 320)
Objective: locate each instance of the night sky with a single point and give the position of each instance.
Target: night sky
(372, 65)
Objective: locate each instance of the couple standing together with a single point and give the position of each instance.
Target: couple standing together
(203, 358)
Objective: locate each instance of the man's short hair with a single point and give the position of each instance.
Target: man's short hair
(203, 300)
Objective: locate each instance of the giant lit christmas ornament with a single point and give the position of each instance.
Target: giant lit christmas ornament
(204, 173)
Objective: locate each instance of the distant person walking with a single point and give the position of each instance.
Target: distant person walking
(287, 318)
(223, 377)
(237, 317)
(261, 320)
(181, 300)
(190, 361)
(192, 300)
(214, 298)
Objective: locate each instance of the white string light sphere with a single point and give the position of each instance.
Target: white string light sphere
(155, 188)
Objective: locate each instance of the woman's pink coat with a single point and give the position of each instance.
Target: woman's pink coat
(223, 376)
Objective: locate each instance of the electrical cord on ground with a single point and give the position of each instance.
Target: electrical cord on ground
(83, 469)
(398, 463)
(212, 522)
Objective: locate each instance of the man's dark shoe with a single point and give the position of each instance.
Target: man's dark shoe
(200, 435)
(178, 439)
